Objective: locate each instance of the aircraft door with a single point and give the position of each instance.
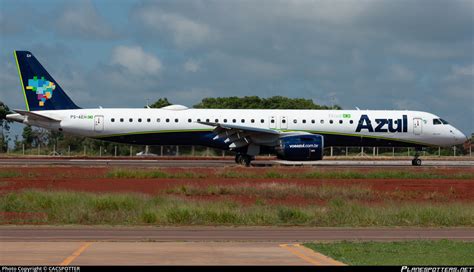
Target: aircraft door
(417, 126)
(283, 122)
(272, 122)
(98, 123)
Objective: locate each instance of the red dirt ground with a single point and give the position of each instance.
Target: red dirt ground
(92, 180)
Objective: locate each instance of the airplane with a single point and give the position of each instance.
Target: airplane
(294, 135)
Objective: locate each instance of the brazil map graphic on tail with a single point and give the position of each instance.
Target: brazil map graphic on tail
(43, 88)
(40, 90)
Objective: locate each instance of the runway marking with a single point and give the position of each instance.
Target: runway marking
(325, 259)
(76, 253)
(302, 256)
(318, 259)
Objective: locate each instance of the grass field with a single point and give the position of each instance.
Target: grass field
(126, 173)
(277, 191)
(444, 252)
(345, 174)
(129, 209)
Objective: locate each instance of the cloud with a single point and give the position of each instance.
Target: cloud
(462, 71)
(80, 20)
(184, 31)
(191, 66)
(401, 73)
(426, 50)
(136, 60)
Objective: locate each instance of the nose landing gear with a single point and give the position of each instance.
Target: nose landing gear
(416, 160)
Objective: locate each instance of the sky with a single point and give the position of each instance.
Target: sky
(371, 54)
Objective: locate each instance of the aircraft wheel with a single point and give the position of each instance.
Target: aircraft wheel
(238, 159)
(416, 162)
(247, 160)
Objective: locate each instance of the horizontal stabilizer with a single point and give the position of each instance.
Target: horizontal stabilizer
(36, 116)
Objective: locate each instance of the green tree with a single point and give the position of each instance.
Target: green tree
(160, 103)
(28, 136)
(255, 102)
(4, 127)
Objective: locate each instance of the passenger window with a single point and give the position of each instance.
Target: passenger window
(331, 121)
(148, 120)
(158, 120)
(139, 120)
(322, 121)
(352, 121)
(199, 120)
(167, 120)
(272, 121)
(295, 121)
(313, 121)
(207, 120)
(304, 121)
(190, 120)
(262, 121)
(340, 121)
(252, 120)
(121, 119)
(217, 120)
(225, 120)
(112, 120)
(233, 120)
(176, 120)
(283, 121)
(130, 120)
(242, 121)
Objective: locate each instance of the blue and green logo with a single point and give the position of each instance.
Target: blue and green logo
(43, 88)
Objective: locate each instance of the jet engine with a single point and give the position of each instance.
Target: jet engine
(301, 147)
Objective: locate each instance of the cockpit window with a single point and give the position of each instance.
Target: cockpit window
(444, 121)
(436, 122)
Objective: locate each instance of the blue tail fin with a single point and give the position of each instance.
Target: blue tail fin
(40, 89)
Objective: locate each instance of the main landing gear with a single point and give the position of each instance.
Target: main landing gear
(416, 161)
(244, 159)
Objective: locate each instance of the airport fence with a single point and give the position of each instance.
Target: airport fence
(121, 150)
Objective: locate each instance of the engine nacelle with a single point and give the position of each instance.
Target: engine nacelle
(301, 148)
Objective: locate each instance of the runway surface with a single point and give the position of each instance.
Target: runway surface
(225, 162)
(46, 245)
(215, 234)
(165, 253)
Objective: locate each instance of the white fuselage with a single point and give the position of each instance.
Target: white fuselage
(407, 127)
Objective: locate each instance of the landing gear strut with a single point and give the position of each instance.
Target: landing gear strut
(244, 159)
(416, 161)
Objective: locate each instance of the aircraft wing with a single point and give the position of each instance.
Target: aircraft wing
(238, 136)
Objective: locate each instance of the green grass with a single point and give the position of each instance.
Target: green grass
(348, 174)
(132, 209)
(272, 174)
(9, 174)
(443, 252)
(16, 174)
(149, 174)
(278, 191)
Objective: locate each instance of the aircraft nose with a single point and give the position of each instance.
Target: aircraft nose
(460, 137)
